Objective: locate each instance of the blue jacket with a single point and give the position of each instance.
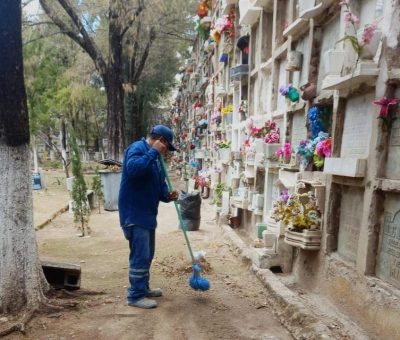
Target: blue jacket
(142, 186)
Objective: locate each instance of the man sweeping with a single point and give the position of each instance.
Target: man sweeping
(142, 188)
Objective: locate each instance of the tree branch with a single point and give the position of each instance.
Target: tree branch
(145, 54)
(135, 15)
(82, 38)
(176, 36)
(43, 37)
(135, 52)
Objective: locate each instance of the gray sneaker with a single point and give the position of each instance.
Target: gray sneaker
(143, 303)
(152, 293)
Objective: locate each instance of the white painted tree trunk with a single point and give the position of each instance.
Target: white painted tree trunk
(22, 281)
(35, 155)
(63, 137)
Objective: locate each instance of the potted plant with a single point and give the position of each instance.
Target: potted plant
(265, 139)
(219, 189)
(224, 150)
(227, 113)
(365, 41)
(299, 211)
(284, 153)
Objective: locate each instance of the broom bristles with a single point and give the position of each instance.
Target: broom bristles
(196, 281)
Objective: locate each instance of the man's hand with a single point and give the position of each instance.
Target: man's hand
(173, 195)
(160, 147)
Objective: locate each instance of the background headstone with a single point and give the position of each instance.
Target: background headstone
(351, 211)
(388, 267)
(357, 126)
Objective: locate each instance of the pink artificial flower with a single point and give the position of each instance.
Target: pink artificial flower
(272, 137)
(285, 150)
(324, 148)
(255, 132)
(350, 19)
(279, 152)
(368, 33)
(270, 125)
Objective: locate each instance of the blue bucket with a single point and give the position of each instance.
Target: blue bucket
(36, 181)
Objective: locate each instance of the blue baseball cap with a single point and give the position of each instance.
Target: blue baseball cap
(165, 132)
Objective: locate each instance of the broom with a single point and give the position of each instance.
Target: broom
(196, 281)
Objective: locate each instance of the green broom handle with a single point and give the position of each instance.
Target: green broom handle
(178, 210)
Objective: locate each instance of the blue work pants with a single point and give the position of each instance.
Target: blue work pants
(142, 246)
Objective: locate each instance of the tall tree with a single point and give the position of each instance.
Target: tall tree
(22, 282)
(131, 28)
(121, 17)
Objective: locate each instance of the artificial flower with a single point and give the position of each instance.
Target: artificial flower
(368, 33)
(300, 211)
(386, 104)
(272, 137)
(351, 19)
(284, 151)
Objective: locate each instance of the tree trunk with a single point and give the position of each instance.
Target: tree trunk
(22, 281)
(113, 85)
(133, 117)
(63, 141)
(35, 155)
(115, 116)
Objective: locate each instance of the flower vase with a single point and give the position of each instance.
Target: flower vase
(215, 177)
(284, 159)
(294, 61)
(307, 239)
(270, 149)
(333, 62)
(225, 155)
(279, 228)
(368, 51)
(259, 145)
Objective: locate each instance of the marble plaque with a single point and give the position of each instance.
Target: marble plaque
(393, 162)
(357, 126)
(271, 190)
(350, 222)
(299, 130)
(395, 132)
(388, 267)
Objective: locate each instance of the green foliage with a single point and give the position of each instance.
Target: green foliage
(354, 43)
(60, 86)
(80, 207)
(97, 189)
(204, 32)
(219, 189)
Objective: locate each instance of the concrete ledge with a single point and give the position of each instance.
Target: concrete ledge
(289, 309)
(291, 312)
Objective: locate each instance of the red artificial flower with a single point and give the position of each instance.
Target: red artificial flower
(385, 104)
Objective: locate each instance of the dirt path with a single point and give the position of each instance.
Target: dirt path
(234, 308)
(50, 200)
